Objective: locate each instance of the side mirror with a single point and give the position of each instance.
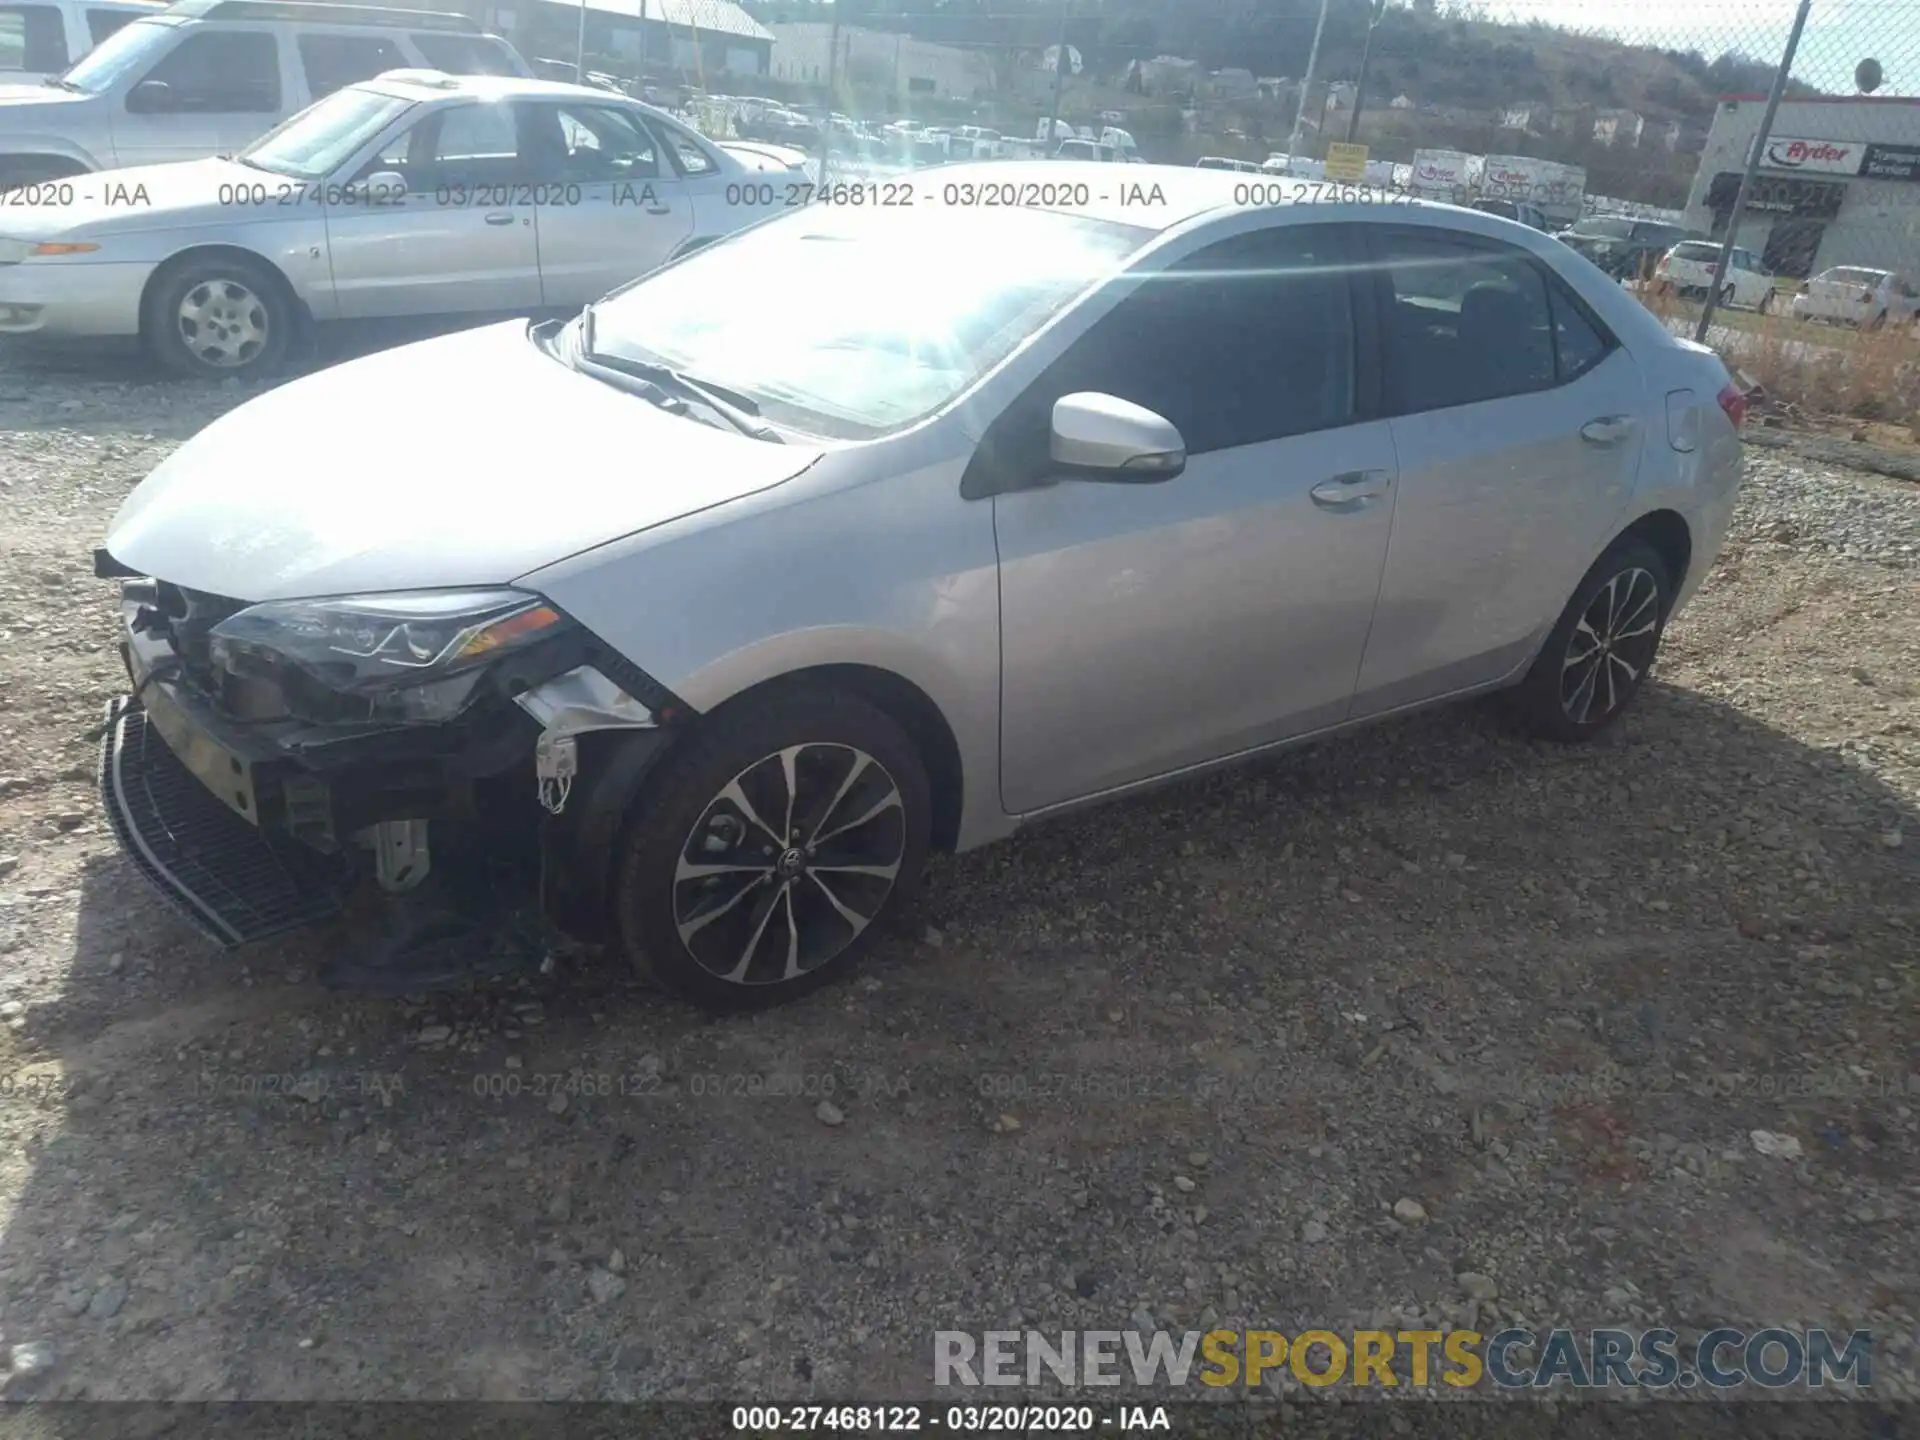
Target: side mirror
(150, 97)
(1102, 437)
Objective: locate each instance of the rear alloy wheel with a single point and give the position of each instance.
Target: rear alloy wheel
(218, 316)
(1600, 651)
(762, 863)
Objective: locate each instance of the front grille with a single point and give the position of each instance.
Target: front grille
(229, 879)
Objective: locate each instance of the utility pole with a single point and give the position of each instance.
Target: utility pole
(1300, 113)
(1360, 85)
(580, 48)
(1059, 72)
(833, 66)
(1746, 179)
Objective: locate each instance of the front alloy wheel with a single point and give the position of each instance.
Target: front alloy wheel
(789, 864)
(776, 839)
(1599, 652)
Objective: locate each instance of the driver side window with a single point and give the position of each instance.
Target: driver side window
(1250, 340)
(211, 72)
(464, 145)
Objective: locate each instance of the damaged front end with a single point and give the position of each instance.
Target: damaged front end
(271, 756)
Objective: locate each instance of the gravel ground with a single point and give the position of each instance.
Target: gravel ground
(1293, 1047)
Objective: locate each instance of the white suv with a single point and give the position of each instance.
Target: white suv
(40, 38)
(209, 77)
(1855, 295)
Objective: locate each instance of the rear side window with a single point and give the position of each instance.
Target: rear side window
(214, 72)
(466, 54)
(102, 23)
(32, 38)
(333, 62)
(1466, 323)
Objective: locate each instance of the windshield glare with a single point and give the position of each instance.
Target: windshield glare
(326, 134)
(131, 47)
(857, 324)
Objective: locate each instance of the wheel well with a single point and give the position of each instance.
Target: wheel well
(1666, 531)
(302, 316)
(913, 710)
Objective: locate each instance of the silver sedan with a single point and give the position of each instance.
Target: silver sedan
(414, 194)
(878, 566)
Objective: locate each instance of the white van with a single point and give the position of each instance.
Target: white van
(41, 38)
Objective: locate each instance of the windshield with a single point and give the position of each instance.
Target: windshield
(326, 134)
(131, 47)
(855, 324)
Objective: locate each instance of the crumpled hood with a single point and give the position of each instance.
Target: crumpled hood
(468, 459)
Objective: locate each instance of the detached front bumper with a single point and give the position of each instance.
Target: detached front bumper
(231, 879)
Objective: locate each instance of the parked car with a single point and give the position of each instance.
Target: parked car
(409, 195)
(206, 77)
(41, 38)
(1222, 162)
(1531, 216)
(1093, 150)
(1623, 247)
(1855, 295)
(1687, 269)
(779, 568)
(564, 71)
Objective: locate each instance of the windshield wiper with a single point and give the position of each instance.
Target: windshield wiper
(60, 82)
(736, 409)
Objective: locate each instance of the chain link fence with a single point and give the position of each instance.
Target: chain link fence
(1775, 215)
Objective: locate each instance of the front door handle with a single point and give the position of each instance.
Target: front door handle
(500, 217)
(1351, 490)
(1607, 430)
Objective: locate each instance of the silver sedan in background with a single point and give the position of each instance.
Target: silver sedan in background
(413, 194)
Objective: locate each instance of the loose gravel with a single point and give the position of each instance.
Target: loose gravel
(1430, 1027)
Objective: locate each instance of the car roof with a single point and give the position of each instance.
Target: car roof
(1186, 191)
(426, 84)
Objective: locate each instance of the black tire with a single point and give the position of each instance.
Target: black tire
(730, 943)
(1558, 700)
(249, 320)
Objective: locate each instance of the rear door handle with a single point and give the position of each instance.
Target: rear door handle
(500, 217)
(1607, 430)
(1351, 490)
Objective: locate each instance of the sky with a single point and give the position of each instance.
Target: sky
(1839, 33)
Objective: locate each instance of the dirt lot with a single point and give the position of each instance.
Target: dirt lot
(1175, 1062)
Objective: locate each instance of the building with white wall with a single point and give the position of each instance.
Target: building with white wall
(906, 65)
(1838, 184)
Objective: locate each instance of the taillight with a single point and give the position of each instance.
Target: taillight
(1733, 400)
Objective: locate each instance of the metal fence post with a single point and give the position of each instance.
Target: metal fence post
(1712, 302)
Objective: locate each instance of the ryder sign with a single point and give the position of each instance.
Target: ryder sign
(1813, 157)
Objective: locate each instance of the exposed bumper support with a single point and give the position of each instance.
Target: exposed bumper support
(231, 880)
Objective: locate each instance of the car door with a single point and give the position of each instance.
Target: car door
(1148, 627)
(609, 205)
(1516, 418)
(460, 240)
(213, 93)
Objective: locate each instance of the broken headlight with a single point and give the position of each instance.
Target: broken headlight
(413, 655)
